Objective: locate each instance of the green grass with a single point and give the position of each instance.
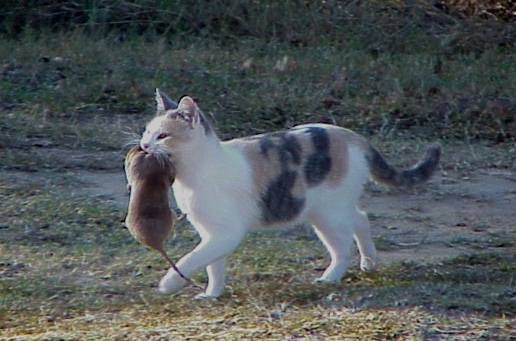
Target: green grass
(66, 91)
(390, 93)
(70, 270)
(380, 67)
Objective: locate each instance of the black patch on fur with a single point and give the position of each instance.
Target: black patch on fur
(278, 204)
(286, 145)
(320, 139)
(318, 164)
(290, 148)
(205, 124)
(383, 172)
(265, 144)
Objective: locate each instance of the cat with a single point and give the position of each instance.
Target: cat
(312, 173)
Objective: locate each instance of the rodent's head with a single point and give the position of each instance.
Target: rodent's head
(175, 127)
(144, 165)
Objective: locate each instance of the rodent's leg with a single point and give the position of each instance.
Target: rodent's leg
(215, 280)
(213, 247)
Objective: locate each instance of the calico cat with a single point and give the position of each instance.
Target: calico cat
(312, 173)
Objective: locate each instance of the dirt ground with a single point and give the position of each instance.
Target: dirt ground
(449, 216)
(446, 251)
(455, 213)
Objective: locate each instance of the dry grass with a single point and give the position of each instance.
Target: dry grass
(70, 271)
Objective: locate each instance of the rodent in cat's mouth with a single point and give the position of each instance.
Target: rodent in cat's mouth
(149, 218)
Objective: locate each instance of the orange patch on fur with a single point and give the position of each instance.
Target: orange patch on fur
(264, 168)
(339, 156)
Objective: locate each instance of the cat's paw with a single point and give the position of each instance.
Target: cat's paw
(171, 284)
(205, 297)
(367, 264)
(325, 280)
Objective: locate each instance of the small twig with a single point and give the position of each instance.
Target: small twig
(449, 331)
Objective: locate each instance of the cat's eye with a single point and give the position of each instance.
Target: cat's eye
(162, 136)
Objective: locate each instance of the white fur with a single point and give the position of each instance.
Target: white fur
(215, 193)
(213, 187)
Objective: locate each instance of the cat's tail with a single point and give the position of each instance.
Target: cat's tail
(383, 172)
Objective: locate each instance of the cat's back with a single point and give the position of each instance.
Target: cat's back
(286, 164)
(300, 132)
(320, 150)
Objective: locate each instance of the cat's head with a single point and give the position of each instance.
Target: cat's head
(175, 126)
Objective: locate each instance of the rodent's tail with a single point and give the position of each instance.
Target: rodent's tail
(383, 172)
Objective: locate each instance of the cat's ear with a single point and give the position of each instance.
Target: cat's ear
(188, 109)
(163, 102)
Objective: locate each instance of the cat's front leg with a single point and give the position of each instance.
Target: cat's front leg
(212, 249)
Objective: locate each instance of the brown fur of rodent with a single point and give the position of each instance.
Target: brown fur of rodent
(149, 218)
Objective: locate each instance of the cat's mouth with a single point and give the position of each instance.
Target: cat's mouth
(166, 156)
(156, 152)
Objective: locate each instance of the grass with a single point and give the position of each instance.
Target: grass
(427, 70)
(71, 271)
(66, 91)
(70, 78)
(400, 73)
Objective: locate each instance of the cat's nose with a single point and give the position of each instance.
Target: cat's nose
(145, 146)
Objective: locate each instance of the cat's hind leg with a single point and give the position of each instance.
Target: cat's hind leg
(365, 244)
(337, 236)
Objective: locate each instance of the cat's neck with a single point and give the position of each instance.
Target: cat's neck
(195, 162)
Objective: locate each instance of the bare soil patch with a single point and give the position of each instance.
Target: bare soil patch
(451, 215)
(69, 270)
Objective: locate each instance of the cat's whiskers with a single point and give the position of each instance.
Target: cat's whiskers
(162, 155)
(131, 143)
(132, 137)
(130, 134)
